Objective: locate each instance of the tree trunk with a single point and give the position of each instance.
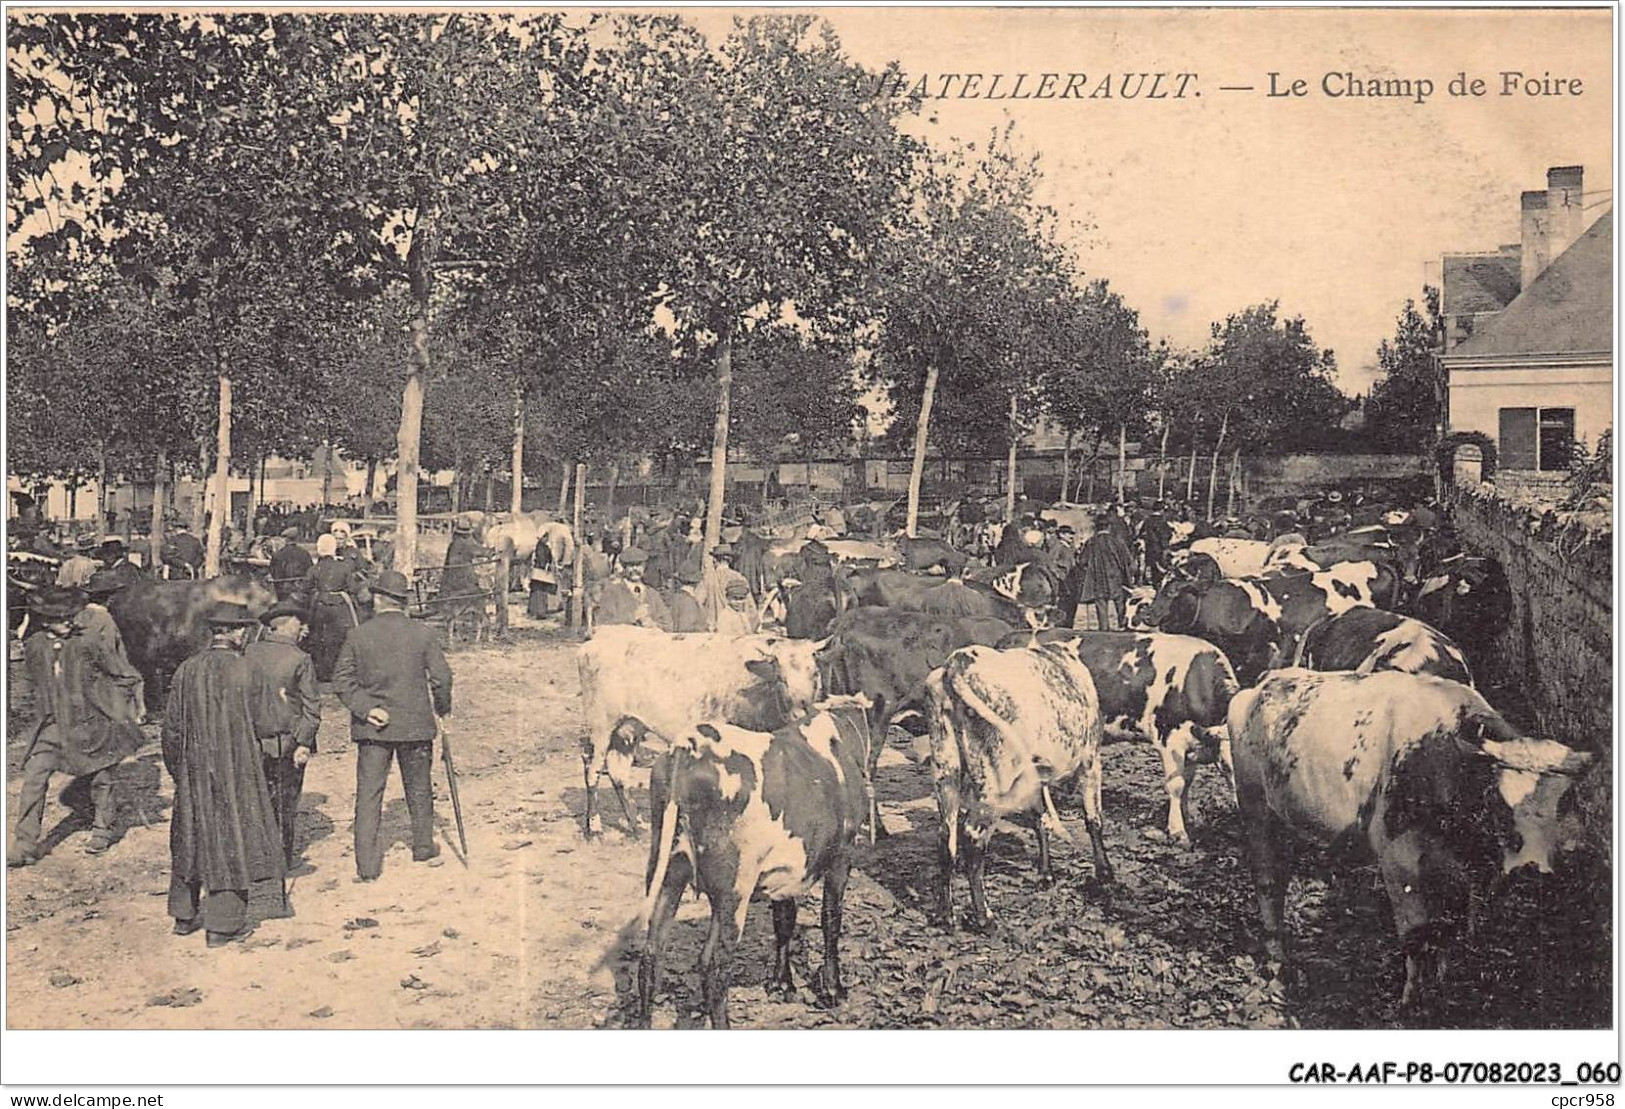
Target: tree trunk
(1190, 476)
(922, 431)
(578, 597)
(222, 483)
(1122, 460)
(609, 498)
(1010, 464)
(807, 457)
(327, 472)
(1235, 479)
(517, 499)
(1213, 473)
(1162, 461)
(564, 491)
(1066, 467)
(101, 484)
(73, 498)
(366, 496)
(490, 492)
(155, 535)
(409, 438)
(719, 439)
(200, 499)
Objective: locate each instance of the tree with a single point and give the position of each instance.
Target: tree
(1406, 409)
(793, 389)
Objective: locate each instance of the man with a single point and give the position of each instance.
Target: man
(688, 611)
(719, 577)
(292, 675)
(739, 617)
(628, 600)
(117, 560)
(182, 553)
(223, 835)
(96, 621)
(393, 678)
(86, 721)
(291, 565)
(459, 578)
(79, 566)
(1101, 575)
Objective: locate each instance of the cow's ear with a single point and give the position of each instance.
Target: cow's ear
(766, 669)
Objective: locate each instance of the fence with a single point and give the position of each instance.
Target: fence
(1557, 648)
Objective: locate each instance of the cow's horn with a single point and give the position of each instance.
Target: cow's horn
(1538, 756)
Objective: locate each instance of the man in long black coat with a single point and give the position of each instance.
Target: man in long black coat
(223, 836)
(291, 565)
(290, 671)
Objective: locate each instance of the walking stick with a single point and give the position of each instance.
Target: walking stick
(451, 784)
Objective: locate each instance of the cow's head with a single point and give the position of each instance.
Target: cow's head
(1139, 597)
(1174, 606)
(790, 666)
(1531, 777)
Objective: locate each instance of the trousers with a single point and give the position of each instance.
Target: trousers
(224, 911)
(371, 775)
(286, 782)
(37, 773)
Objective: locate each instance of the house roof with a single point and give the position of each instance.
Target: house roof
(1479, 283)
(1568, 309)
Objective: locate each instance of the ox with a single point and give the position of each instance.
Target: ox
(1447, 796)
(1367, 640)
(163, 623)
(738, 811)
(1172, 690)
(1006, 726)
(670, 681)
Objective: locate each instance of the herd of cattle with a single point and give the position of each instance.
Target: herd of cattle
(1331, 683)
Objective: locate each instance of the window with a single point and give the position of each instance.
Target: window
(1536, 438)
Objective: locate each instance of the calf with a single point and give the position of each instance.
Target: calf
(163, 623)
(1171, 690)
(736, 811)
(1005, 727)
(669, 681)
(1367, 640)
(1447, 796)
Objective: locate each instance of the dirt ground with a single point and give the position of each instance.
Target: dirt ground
(537, 929)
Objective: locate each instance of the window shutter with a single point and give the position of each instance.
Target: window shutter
(1556, 438)
(1516, 447)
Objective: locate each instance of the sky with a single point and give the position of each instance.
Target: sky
(1340, 207)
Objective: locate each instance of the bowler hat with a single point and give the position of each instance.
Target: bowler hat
(231, 614)
(736, 590)
(56, 603)
(112, 543)
(689, 574)
(633, 556)
(285, 608)
(290, 533)
(103, 582)
(393, 583)
(87, 542)
(462, 527)
(722, 550)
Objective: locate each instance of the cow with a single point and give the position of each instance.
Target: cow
(1238, 558)
(811, 608)
(1200, 568)
(1398, 548)
(163, 623)
(885, 654)
(922, 554)
(737, 811)
(1302, 599)
(917, 593)
(1006, 727)
(1238, 617)
(1170, 690)
(1445, 794)
(1367, 640)
(670, 681)
(1467, 598)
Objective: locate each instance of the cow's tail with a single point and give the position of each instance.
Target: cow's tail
(1053, 818)
(663, 842)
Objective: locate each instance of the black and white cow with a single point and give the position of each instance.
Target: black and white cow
(1367, 640)
(670, 681)
(1172, 690)
(739, 811)
(1006, 727)
(1446, 794)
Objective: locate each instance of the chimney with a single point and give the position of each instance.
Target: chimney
(1565, 207)
(1536, 227)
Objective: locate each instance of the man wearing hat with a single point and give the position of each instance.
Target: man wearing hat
(738, 616)
(182, 553)
(223, 835)
(1101, 575)
(627, 599)
(77, 569)
(393, 677)
(459, 579)
(291, 565)
(291, 673)
(116, 558)
(96, 620)
(688, 613)
(85, 721)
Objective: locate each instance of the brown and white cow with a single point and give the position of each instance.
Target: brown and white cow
(1006, 728)
(738, 811)
(670, 681)
(1445, 793)
(1367, 640)
(1171, 690)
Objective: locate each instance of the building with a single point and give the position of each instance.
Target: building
(1536, 373)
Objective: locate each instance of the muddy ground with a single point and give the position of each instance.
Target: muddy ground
(536, 930)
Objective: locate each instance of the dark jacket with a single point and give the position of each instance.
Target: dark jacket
(291, 563)
(85, 697)
(293, 675)
(394, 663)
(1103, 568)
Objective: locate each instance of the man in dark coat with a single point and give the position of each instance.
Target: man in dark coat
(627, 599)
(292, 674)
(291, 565)
(86, 720)
(459, 579)
(116, 559)
(1101, 575)
(393, 677)
(183, 554)
(223, 836)
(687, 603)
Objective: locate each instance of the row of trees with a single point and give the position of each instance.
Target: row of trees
(490, 242)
